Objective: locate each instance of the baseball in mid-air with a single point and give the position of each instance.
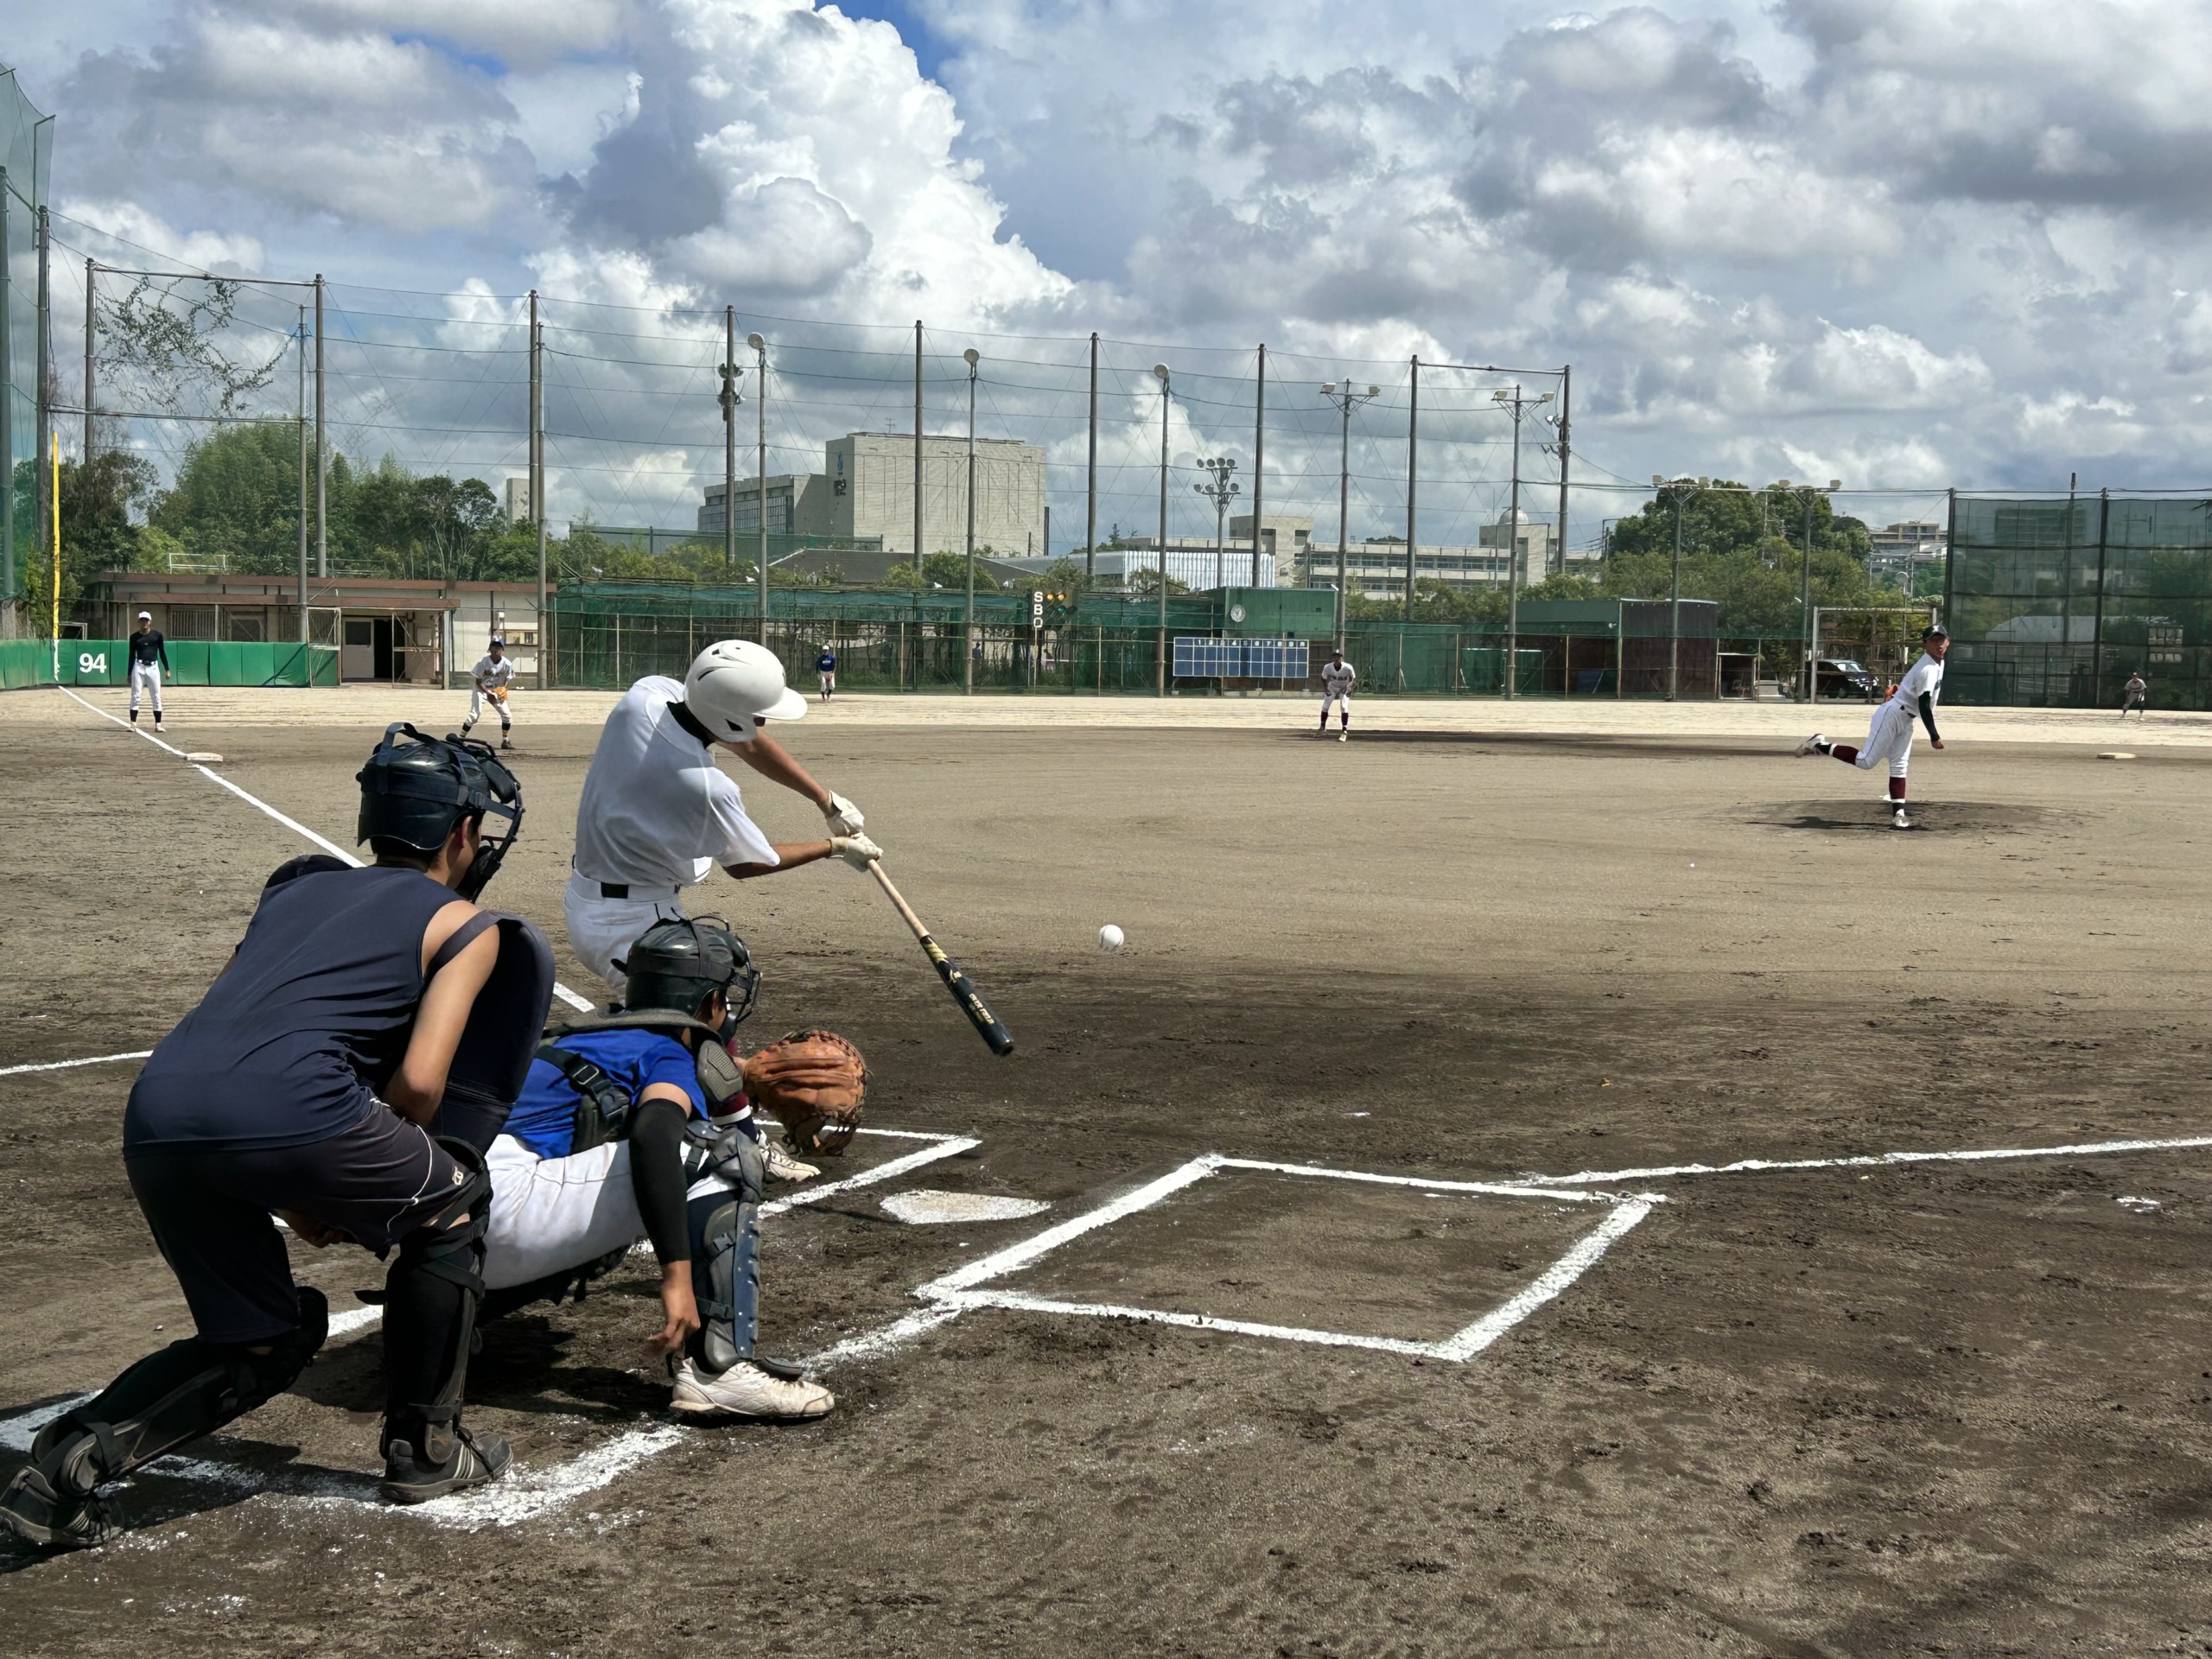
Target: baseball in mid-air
(1109, 937)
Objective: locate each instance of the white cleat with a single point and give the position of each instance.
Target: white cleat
(747, 1391)
(1898, 819)
(1344, 737)
(781, 1167)
(1811, 745)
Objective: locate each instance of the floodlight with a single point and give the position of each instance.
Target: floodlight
(1374, 391)
(970, 357)
(1328, 388)
(1160, 369)
(756, 342)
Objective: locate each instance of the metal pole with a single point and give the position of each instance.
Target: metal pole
(1412, 480)
(8, 394)
(1513, 563)
(535, 469)
(1159, 663)
(729, 441)
(1950, 555)
(2097, 642)
(90, 401)
(1259, 456)
(43, 493)
(1675, 610)
(761, 461)
(321, 447)
(1565, 449)
(1805, 599)
(1343, 515)
(967, 642)
(299, 405)
(1091, 479)
(918, 452)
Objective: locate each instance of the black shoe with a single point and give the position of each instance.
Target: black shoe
(470, 1459)
(36, 1513)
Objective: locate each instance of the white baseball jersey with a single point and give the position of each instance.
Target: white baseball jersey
(492, 676)
(656, 812)
(1337, 679)
(1925, 675)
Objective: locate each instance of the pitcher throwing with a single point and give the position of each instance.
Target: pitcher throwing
(1889, 736)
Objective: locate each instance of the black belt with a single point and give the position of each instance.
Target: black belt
(613, 890)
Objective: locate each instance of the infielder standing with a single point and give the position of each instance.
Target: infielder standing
(657, 814)
(1889, 735)
(150, 660)
(493, 673)
(1336, 678)
(826, 666)
(2135, 694)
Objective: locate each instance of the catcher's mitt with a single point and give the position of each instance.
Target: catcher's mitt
(812, 1083)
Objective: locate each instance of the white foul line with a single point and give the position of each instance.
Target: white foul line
(891, 1169)
(65, 1066)
(1868, 1160)
(584, 1004)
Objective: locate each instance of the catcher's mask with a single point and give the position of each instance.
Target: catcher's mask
(415, 789)
(678, 965)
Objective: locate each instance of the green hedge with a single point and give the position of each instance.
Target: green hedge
(192, 662)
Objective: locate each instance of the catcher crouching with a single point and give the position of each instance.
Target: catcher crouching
(641, 1123)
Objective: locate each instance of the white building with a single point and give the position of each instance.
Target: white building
(865, 490)
(1902, 550)
(514, 500)
(1376, 566)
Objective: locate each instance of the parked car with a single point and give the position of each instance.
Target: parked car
(1843, 679)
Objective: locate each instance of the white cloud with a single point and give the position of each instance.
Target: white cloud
(210, 250)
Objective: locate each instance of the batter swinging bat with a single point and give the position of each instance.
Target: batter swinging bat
(963, 990)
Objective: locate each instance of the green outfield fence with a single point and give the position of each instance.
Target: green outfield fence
(105, 662)
(2053, 601)
(608, 635)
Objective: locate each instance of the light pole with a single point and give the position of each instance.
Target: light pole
(729, 399)
(968, 645)
(1221, 493)
(1515, 404)
(760, 463)
(1805, 595)
(1346, 398)
(1160, 660)
(1682, 488)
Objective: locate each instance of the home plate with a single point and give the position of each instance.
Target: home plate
(205, 757)
(931, 1209)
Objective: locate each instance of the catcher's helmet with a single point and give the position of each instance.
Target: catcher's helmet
(735, 684)
(678, 965)
(415, 789)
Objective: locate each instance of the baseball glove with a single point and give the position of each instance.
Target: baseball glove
(498, 693)
(812, 1083)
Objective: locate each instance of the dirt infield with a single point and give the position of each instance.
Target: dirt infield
(1955, 1407)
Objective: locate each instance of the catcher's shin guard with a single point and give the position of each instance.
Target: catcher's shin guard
(431, 1295)
(187, 1389)
(724, 1213)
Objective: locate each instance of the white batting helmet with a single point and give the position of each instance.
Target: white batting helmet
(734, 684)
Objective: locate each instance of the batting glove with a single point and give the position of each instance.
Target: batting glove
(856, 850)
(844, 817)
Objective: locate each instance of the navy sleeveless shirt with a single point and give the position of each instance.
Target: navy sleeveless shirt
(311, 1019)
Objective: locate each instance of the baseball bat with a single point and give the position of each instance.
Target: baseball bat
(956, 981)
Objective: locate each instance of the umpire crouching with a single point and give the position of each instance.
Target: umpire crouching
(346, 1070)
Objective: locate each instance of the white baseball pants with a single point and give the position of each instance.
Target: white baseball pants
(1889, 737)
(601, 929)
(1343, 703)
(477, 701)
(150, 675)
(551, 1215)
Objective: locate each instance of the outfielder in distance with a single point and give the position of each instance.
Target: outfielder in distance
(1889, 735)
(492, 676)
(641, 1124)
(1338, 677)
(150, 660)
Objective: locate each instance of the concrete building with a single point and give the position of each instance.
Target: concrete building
(1194, 564)
(865, 493)
(1901, 551)
(514, 500)
(1376, 566)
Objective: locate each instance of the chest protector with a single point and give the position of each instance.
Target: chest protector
(605, 1105)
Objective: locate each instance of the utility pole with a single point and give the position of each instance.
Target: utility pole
(300, 408)
(1805, 582)
(1091, 480)
(1515, 404)
(85, 453)
(1681, 489)
(730, 399)
(1221, 493)
(42, 493)
(536, 471)
(1259, 456)
(1160, 656)
(968, 641)
(1413, 479)
(917, 454)
(1346, 398)
(321, 446)
(1566, 454)
(760, 463)
(8, 390)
